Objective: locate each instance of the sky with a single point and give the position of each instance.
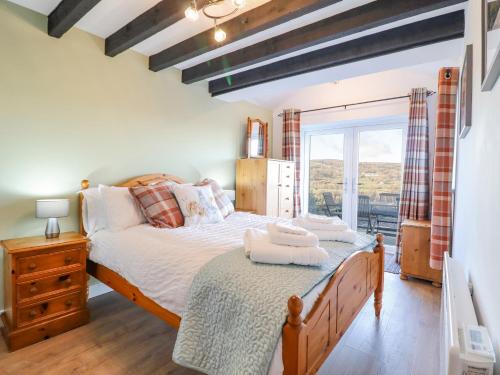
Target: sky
(383, 146)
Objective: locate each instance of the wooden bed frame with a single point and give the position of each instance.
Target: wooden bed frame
(308, 341)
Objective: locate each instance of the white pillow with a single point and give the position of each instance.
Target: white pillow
(122, 211)
(94, 216)
(197, 204)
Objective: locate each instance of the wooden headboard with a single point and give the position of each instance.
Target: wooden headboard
(146, 180)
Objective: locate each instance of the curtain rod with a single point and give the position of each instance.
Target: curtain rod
(429, 93)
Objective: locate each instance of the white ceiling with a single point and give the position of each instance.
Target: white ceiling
(110, 15)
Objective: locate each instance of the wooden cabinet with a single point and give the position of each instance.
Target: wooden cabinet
(415, 248)
(45, 287)
(265, 186)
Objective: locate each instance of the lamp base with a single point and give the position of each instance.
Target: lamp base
(52, 230)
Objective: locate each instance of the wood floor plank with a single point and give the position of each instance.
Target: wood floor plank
(121, 338)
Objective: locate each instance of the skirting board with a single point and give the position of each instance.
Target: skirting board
(98, 289)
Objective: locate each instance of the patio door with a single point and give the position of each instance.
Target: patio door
(328, 174)
(354, 171)
(378, 170)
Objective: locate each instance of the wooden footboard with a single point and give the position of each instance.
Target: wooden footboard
(308, 342)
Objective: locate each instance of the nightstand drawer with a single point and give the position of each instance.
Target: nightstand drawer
(38, 263)
(36, 312)
(40, 288)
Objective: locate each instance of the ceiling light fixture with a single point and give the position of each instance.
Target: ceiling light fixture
(215, 10)
(192, 12)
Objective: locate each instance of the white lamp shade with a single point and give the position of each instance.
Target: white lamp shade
(52, 208)
(231, 194)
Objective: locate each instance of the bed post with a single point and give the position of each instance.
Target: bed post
(84, 185)
(293, 353)
(379, 290)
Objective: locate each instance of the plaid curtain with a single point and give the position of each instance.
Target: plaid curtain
(291, 150)
(443, 165)
(414, 203)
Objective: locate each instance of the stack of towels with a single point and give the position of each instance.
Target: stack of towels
(327, 228)
(296, 243)
(284, 244)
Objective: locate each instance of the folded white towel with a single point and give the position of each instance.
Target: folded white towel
(259, 248)
(289, 228)
(337, 225)
(349, 235)
(289, 239)
(320, 218)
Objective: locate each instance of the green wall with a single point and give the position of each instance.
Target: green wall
(68, 112)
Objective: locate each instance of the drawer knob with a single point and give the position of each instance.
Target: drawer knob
(33, 290)
(68, 281)
(287, 176)
(68, 303)
(287, 198)
(32, 313)
(68, 259)
(32, 266)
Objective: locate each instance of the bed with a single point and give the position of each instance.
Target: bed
(314, 324)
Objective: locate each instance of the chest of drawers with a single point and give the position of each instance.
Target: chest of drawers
(45, 288)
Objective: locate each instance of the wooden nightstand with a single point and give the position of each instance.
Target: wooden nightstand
(415, 248)
(45, 285)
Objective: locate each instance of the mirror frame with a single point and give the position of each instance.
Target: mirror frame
(490, 73)
(250, 121)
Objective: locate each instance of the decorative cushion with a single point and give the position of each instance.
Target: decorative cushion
(225, 205)
(120, 207)
(197, 204)
(158, 204)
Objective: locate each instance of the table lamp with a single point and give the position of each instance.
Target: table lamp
(51, 209)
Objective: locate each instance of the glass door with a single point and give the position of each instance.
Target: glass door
(327, 168)
(355, 172)
(379, 174)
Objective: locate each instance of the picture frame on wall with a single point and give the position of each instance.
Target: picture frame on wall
(490, 57)
(465, 101)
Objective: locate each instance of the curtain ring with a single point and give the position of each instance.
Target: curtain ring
(447, 74)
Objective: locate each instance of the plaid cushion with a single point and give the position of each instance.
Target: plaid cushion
(159, 205)
(223, 202)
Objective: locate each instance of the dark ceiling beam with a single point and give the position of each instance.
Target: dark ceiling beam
(353, 21)
(433, 30)
(154, 20)
(67, 14)
(268, 15)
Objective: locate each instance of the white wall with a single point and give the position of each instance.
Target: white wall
(476, 242)
(390, 83)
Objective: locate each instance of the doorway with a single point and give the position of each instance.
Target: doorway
(354, 170)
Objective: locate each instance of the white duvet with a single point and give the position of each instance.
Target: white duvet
(163, 262)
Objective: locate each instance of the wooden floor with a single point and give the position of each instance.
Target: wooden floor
(124, 339)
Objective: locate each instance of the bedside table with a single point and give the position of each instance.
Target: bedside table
(45, 285)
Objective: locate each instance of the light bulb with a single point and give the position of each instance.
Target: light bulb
(219, 35)
(192, 13)
(239, 3)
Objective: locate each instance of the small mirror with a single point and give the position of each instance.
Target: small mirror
(256, 138)
(491, 43)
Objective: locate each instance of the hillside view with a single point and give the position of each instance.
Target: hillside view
(375, 178)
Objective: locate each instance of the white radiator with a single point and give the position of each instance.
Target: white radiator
(465, 348)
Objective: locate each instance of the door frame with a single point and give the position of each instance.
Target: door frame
(351, 130)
